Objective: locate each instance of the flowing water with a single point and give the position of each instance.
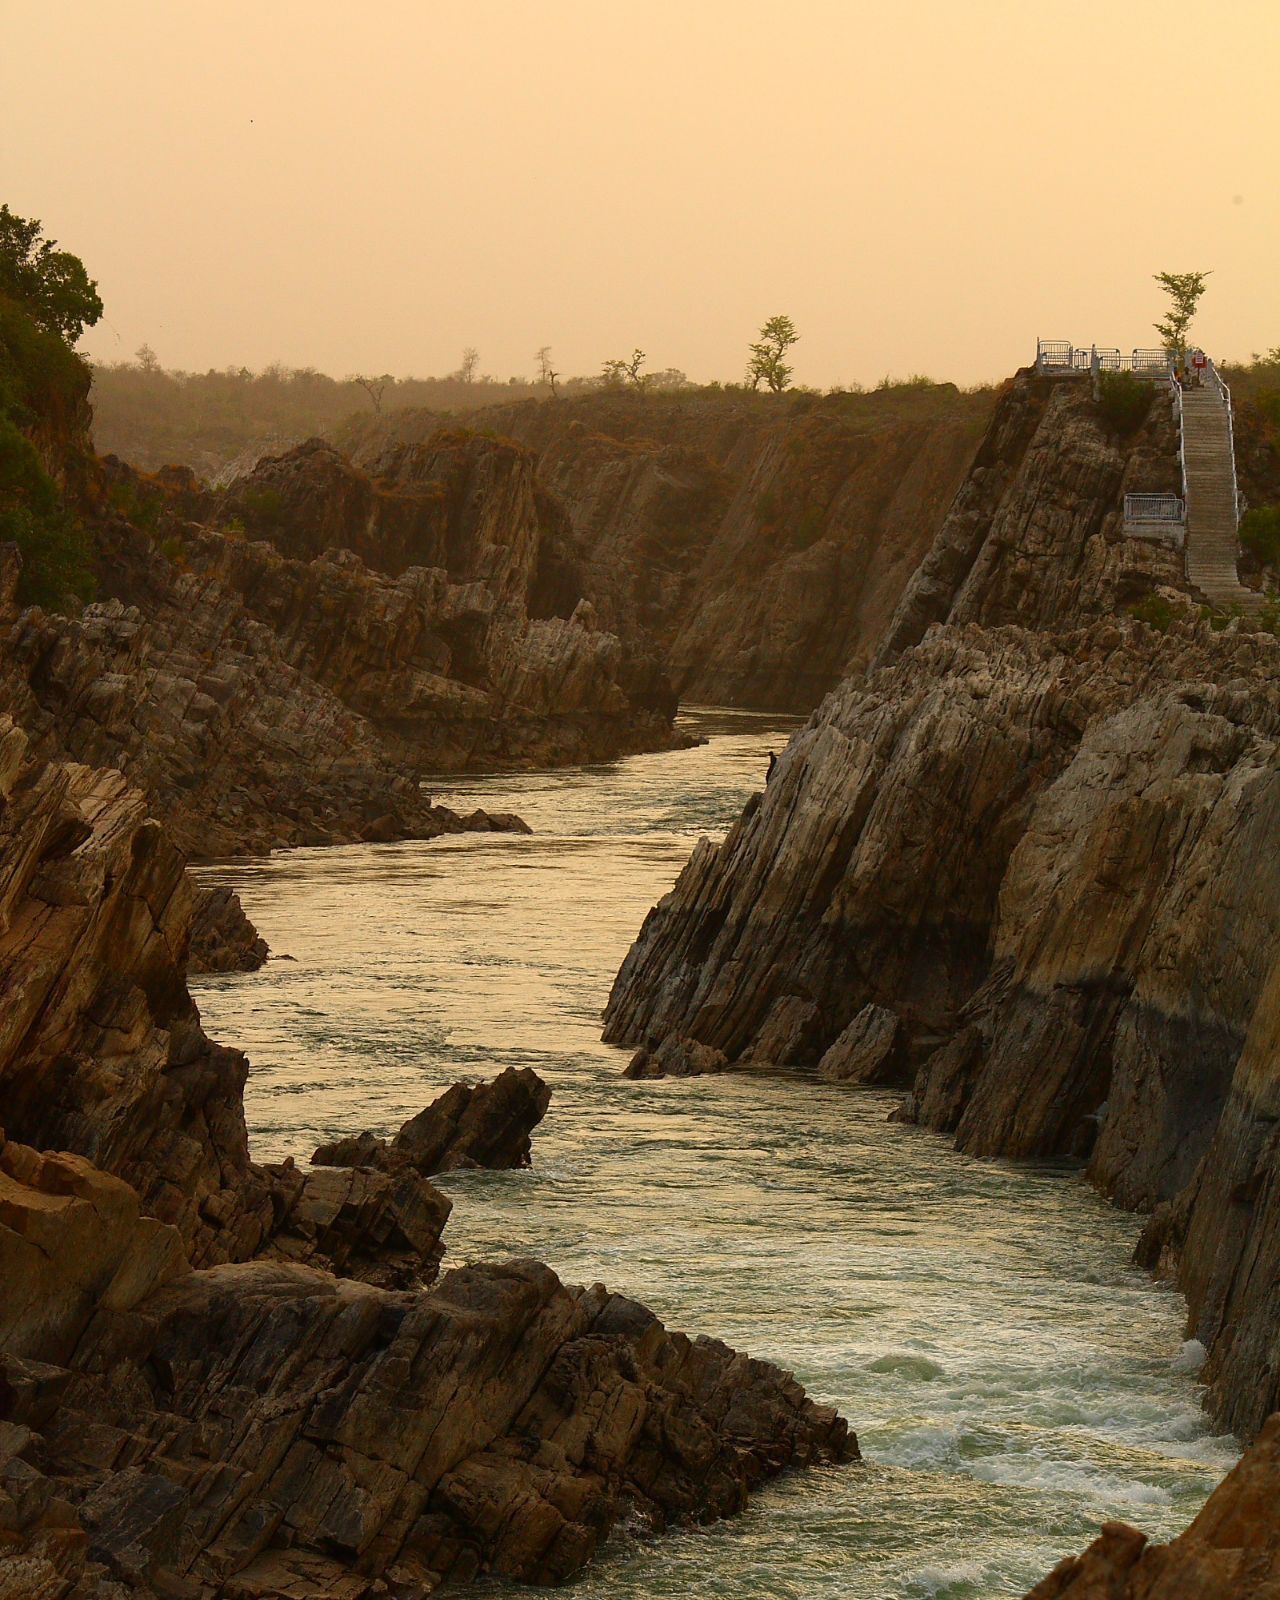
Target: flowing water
(1013, 1380)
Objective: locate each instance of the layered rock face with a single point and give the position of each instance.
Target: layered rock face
(191, 1402)
(280, 666)
(763, 543)
(1034, 536)
(196, 703)
(1026, 874)
(1231, 1551)
(441, 596)
(222, 937)
(102, 1053)
(470, 1125)
(1034, 869)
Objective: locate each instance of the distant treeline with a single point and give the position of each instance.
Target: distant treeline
(219, 420)
(211, 420)
(152, 417)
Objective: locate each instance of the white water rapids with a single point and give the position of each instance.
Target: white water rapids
(1013, 1379)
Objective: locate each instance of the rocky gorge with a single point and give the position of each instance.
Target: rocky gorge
(193, 1401)
(1021, 868)
(1015, 865)
(761, 544)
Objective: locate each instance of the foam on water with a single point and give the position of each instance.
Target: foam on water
(1014, 1380)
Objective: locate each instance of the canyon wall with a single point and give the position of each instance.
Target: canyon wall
(763, 541)
(1024, 870)
(281, 665)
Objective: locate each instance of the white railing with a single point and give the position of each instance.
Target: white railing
(1175, 389)
(1060, 355)
(1169, 508)
(1237, 499)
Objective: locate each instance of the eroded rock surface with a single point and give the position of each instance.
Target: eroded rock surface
(222, 937)
(470, 1125)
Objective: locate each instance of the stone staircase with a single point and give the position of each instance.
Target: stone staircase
(1212, 525)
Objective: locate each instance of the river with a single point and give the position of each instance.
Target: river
(1013, 1379)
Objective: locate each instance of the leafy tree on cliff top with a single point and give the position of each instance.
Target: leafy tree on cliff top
(1184, 290)
(767, 363)
(52, 282)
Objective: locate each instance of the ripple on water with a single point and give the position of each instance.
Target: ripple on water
(1013, 1379)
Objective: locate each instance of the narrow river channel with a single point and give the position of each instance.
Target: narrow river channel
(1013, 1380)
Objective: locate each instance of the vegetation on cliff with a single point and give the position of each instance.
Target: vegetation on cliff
(46, 300)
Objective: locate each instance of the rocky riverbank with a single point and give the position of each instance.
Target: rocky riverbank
(192, 1399)
(281, 665)
(1025, 872)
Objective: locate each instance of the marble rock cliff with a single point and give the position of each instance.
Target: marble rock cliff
(221, 1378)
(281, 666)
(1027, 873)
(762, 542)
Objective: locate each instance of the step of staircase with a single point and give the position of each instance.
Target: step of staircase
(1213, 539)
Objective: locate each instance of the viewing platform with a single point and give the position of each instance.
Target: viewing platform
(1204, 520)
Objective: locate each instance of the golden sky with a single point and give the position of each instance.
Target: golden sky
(923, 186)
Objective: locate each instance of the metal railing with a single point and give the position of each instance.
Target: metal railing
(1170, 508)
(1060, 355)
(1175, 389)
(1151, 363)
(1237, 499)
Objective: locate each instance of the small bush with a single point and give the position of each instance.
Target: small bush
(56, 551)
(1156, 612)
(55, 556)
(1260, 533)
(263, 508)
(1124, 401)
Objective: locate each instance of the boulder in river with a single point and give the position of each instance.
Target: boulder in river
(222, 937)
(470, 1125)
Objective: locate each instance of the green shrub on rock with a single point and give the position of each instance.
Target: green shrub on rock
(1260, 533)
(1124, 401)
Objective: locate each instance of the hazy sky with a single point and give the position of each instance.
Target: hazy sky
(922, 186)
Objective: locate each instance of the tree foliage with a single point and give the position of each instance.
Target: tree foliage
(617, 374)
(767, 363)
(1184, 290)
(52, 282)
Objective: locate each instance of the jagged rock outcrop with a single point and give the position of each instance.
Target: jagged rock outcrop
(440, 596)
(195, 703)
(102, 1053)
(222, 937)
(1041, 865)
(1230, 1552)
(1035, 535)
(1029, 874)
(470, 1125)
(265, 1429)
(762, 541)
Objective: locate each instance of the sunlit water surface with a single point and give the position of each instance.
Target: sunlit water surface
(1013, 1380)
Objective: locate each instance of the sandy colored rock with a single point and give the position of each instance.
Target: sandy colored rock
(866, 1051)
(222, 937)
(470, 1125)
